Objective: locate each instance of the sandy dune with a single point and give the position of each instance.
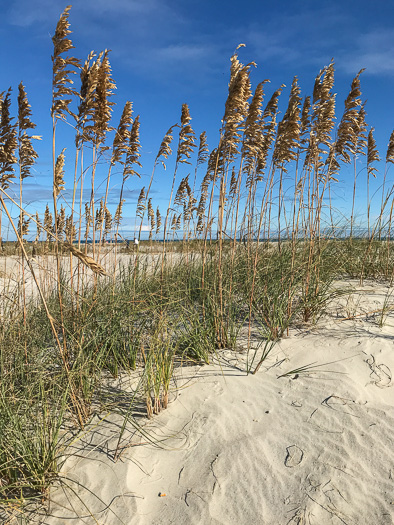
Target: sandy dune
(313, 447)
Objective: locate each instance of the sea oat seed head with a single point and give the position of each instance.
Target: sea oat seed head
(58, 183)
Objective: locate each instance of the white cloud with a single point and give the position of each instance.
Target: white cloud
(121, 7)
(182, 52)
(148, 35)
(25, 13)
(145, 22)
(373, 51)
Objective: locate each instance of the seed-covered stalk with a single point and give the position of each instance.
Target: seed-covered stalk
(158, 221)
(131, 162)
(202, 155)
(287, 143)
(101, 122)
(38, 228)
(88, 223)
(234, 119)
(9, 144)
(61, 91)
(119, 151)
(322, 124)
(152, 220)
(253, 163)
(27, 156)
(84, 128)
(389, 159)
(372, 156)
(181, 196)
(263, 138)
(48, 225)
(164, 152)
(351, 134)
(84, 134)
(253, 143)
(118, 217)
(141, 205)
(299, 183)
(186, 144)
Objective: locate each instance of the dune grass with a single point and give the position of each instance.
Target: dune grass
(252, 244)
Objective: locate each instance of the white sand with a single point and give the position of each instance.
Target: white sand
(313, 448)
(13, 273)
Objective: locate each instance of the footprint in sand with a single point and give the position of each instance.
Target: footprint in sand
(294, 456)
(380, 374)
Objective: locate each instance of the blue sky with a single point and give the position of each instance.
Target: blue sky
(168, 52)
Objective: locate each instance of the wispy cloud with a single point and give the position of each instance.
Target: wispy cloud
(300, 38)
(25, 13)
(157, 35)
(373, 51)
(182, 52)
(121, 7)
(32, 193)
(310, 38)
(37, 193)
(150, 37)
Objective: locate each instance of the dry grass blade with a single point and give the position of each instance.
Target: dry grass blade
(87, 261)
